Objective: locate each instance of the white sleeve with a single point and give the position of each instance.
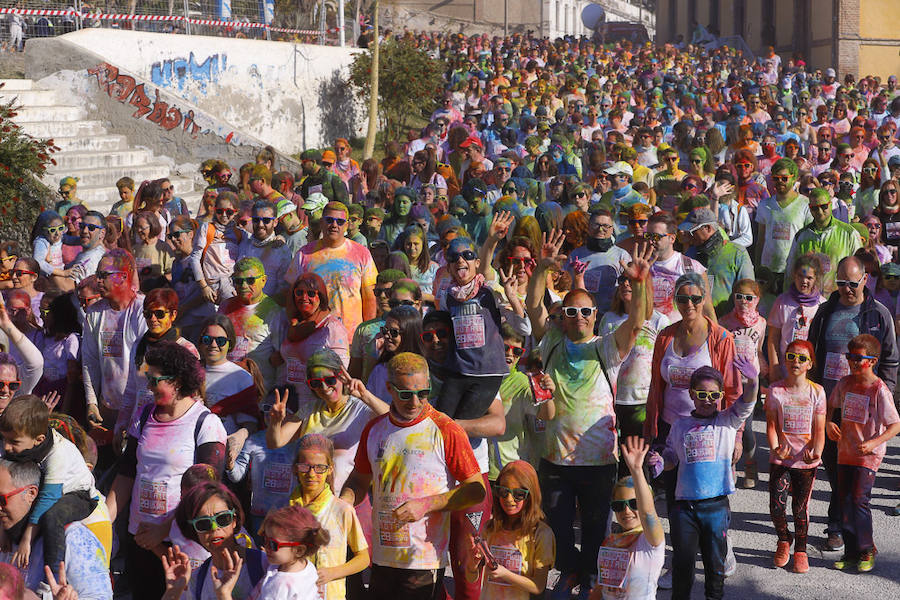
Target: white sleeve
(32, 366)
(90, 358)
(743, 234)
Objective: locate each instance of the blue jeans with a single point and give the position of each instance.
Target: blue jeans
(699, 524)
(855, 489)
(592, 487)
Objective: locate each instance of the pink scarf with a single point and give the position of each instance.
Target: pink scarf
(746, 313)
(464, 293)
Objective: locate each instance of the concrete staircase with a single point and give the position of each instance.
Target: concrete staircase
(97, 158)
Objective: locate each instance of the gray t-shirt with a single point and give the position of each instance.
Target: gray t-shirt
(843, 325)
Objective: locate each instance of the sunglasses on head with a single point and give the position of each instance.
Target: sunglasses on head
(684, 299)
(209, 340)
(159, 313)
(707, 395)
(241, 280)
(518, 494)
(306, 468)
(317, 383)
(619, 505)
(273, 545)
(465, 255)
(212, 522)
(334, 221)
(574, 311)
(800, 358)
(407, 395)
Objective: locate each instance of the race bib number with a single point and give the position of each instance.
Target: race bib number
(700, 446)
(296, 370)
(836, 366)
(856, 408)
(510, 558)
(797, 419)
(111, 344)
(745, 348)
(613, 565)
(781, 231)
(391, 532)
(469, 331)
(277, 478)
(153, 497)
(663, 293)
(54, 256)
(241, 348)
(680, 377)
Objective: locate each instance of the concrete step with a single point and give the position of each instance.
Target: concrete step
(97, 143)
(102, 197)
(49, 113)
(71, 161)
(107, 176)
(17, 84)
(30, 97)
(55, 129)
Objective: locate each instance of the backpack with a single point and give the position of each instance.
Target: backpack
(253, 562)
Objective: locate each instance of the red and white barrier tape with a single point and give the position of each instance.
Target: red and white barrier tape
(127, 17)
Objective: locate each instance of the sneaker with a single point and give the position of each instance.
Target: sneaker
(665, 580)
(782, 554)
(750, 475)
(801, 562)
(834, 543)
(844, 563)
(730, 560)
(866, 562)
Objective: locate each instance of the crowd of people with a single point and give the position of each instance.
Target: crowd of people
(569, 296)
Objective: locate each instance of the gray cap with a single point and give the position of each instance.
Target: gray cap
(697, 217)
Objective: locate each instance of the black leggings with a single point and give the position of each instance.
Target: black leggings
(466, 397)
(71, 507)
(799, 484)
(144, 571)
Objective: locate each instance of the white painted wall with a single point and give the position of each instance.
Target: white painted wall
(270, 90)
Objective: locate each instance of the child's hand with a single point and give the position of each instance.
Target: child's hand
(746, 367)
(326, 575)
(867, 447)
(23, 554)
(782, 452)
(547, 383)
(810, 456)
(833, 431)
(501, 573)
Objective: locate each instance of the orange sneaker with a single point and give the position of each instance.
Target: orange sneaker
(782, 554)
(801, 562)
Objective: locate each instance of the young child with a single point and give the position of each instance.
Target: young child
(47, 243)
(700, 446)
(518, 537)
(216, 249)
(314, 469)
(292, 538)
(866, 421)
(795, 427)
(67, 491)
(125, 204)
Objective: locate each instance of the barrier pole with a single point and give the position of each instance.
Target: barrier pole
(187, 19)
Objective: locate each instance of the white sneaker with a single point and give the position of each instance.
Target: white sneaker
(665, 580)
(730, 560)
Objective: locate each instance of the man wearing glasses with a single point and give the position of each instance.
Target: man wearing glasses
(269, 248)
(846, 314)
(885, 151)
(779, 218)
(826, 236)
(91, 232)
(604, 259)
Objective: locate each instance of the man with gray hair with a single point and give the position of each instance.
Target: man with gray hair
(85, 564)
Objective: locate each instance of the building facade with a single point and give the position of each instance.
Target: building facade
(861, 37)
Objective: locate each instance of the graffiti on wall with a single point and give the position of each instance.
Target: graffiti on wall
(176, 72)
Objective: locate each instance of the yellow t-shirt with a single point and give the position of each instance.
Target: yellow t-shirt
(522, 556)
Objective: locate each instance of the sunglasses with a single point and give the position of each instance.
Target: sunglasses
(241, 280)
(391, 332)
(518, 494)
(153, 380)
(273, 545)
(4, 498)
(822, 207)
(209, 340)
(705, 395)
(394, 303)
(301, 293)
(20, 272)
(110, 275)
(743, 166)
(334, 221)
(850, 284)
(176, 234)
(263, 220)
(159, 313)
(574, 311)
(746, 297)
(55, 230)
(91, 227)
(800, 358)
(579, 195)
(684, 299)
(381, 291)
(64, 193)
(640, 222)
(854, 357)
(84, 301)
(10, 385)
(516, 350)
(407, 395)
(655, 237)
(318, 383)
(72, 219)
(226, 212)
(781, 178)
(306, 468)
(619, 505)
(465, 255)
(429, 337)
(212, 522)
(522, 260)
(890, 277)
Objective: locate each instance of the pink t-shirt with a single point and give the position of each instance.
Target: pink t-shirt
(747, 340)
(794, 412)
(866, 411)
(332, 334)
(792, 318)
(676, 372)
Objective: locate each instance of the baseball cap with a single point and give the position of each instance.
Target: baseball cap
(697, 217)
(829, 72)
(311, 154)
(284, 207)
(329, 156)
(315, 202)
(894, 161)
(471, 140)
(619, 167)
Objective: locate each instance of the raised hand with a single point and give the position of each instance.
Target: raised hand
(721, 188)
(507, 277)
(60, 588)
(176, 568)
(578, 266)
(279, 408)
(634, 450)
(225, 580)
(639, 267)
(551, 242)
(51, 399)
(501, 224)
(746, 367)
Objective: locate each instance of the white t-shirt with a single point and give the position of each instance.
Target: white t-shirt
(164, 453)
(224, 380)
(300, 585)
(665, 273)
(57, 354)
(65, 465)
(782, 225)
(633, 384)
(676, 372)
(792, 319)
(643, 571)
